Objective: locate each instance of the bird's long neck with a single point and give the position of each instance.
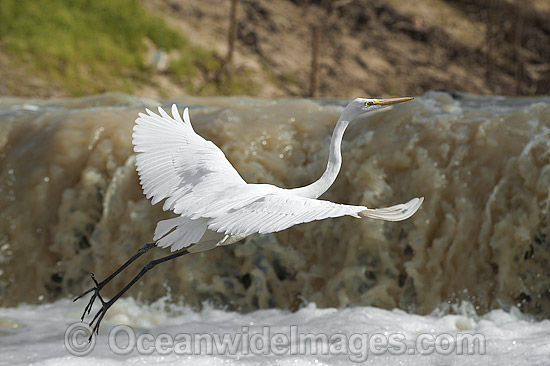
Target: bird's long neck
(320, 186)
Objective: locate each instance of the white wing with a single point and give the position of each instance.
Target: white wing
(177, 164)
(201, 185)
(278, 211)
(173, 161)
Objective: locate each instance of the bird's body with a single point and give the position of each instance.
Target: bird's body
(215, 206)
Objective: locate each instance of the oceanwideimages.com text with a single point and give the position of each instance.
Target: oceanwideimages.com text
(124, 340)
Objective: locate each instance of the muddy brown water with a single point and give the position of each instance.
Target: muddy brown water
(70, 203)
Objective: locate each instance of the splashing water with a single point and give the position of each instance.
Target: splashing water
(71, 203)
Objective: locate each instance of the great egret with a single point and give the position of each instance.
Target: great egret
(215, 206)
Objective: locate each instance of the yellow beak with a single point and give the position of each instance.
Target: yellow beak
(389, 101)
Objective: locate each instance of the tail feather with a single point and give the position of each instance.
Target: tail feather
(398, 212)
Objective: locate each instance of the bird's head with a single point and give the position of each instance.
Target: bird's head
(362, 105)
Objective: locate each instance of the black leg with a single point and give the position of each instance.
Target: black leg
(98, 286)
(107, 304)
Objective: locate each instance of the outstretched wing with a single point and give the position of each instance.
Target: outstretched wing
(279, 210)
(176, 163)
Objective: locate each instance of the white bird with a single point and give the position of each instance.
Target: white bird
(215, 206)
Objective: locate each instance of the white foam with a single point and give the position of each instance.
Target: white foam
(511, 338)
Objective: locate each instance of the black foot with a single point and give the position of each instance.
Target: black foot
(99, 316)
(96, 321)
(96, 295)
(98, 286)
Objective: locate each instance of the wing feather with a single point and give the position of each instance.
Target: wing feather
(279, 210)
(173, 161)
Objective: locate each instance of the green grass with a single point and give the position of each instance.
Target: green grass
(214, 80)
(91, 46)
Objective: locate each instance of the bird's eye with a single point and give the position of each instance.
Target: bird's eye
(369, 103)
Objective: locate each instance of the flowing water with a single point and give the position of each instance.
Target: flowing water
(164, 333)
(70, 204)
